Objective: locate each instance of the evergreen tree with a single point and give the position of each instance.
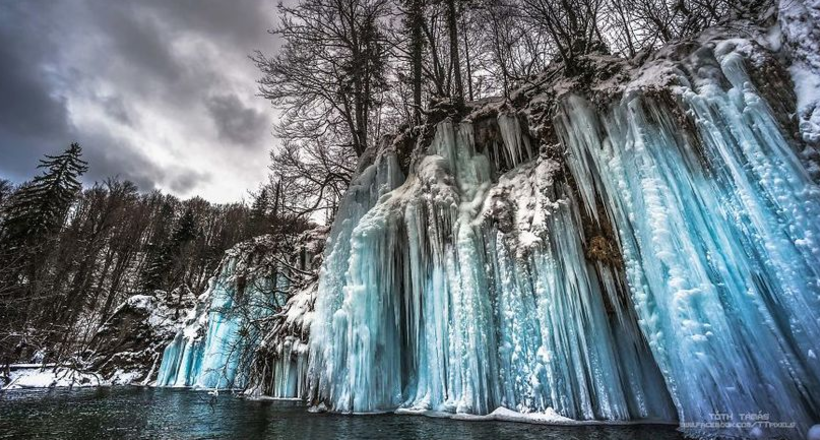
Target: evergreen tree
(185, 230)
(39, 208)
(259, 209)
(32, 221)
(6, 190)
(277, 196)
(163, 260)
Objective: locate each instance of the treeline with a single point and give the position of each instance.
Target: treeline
(70, 255)
(349, 72)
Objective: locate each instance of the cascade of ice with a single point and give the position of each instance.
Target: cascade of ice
(719, 227)
(460, 291)
(289, 370)
(667, 267)
(428, 305)
(344, 355)
(207, 353)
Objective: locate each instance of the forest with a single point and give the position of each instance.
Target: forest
(72, 254)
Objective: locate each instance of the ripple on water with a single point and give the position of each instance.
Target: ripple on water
(149, 413)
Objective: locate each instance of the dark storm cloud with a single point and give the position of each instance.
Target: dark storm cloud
(118, 157)
(28, 105)
(115, 106)
(236, 123)
(33, 115)
(139, 36)
(157, 91)
(241, 21)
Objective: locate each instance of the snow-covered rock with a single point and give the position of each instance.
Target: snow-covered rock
(128, 347)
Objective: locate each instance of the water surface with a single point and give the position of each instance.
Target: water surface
(150, 413)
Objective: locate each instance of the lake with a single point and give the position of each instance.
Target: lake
(155, 413)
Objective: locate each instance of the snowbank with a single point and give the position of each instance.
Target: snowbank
(31, 376)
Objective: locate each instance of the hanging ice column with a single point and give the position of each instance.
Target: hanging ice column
(343, 341)
(720, 231)
(211, 351)
(425, 303)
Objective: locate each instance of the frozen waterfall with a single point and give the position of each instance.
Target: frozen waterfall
(212, 350)
(720, 235)
(461, 290)
(655, 257)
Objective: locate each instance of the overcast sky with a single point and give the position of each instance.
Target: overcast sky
(159, 92)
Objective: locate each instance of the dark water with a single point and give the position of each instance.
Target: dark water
(146, 413)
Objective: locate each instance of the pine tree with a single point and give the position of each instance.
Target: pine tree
(6, 189)
(158, 261)
(185, 230)
(164, 258)
(32, 220)
(39, 208)
(277, 196)
(259, 209)
(265, 208)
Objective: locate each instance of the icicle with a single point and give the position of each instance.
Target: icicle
(429, 287)
(208, 351)
(517, 146)
(720, 242)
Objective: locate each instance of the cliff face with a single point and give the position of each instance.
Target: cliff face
(133, 339)
(641, 243)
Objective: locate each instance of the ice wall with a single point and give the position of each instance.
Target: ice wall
(461, 290)
(351, 345)
(425, 302)
(211, 351)
(719, 230)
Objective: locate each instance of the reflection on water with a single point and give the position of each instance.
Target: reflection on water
(147, 413)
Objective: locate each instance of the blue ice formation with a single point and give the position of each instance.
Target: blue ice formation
(211, 351)
(422, 304)
(289, 370)
(661, 263)
(721, 241)
(461, 290)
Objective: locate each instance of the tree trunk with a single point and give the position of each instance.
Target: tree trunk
(416, 55)
(467, 60)
(455, 61)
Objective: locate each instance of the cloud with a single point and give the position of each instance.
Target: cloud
(132, 31)
(115, 106)
(236, 123)
(33, 116)
(158, 92)
(28, 106)
(118, 157)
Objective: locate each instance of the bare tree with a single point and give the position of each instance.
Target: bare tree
(312, 175)
(415, 25)
(455, 60)
(328, 71)
(571, 24)
(327, 78)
